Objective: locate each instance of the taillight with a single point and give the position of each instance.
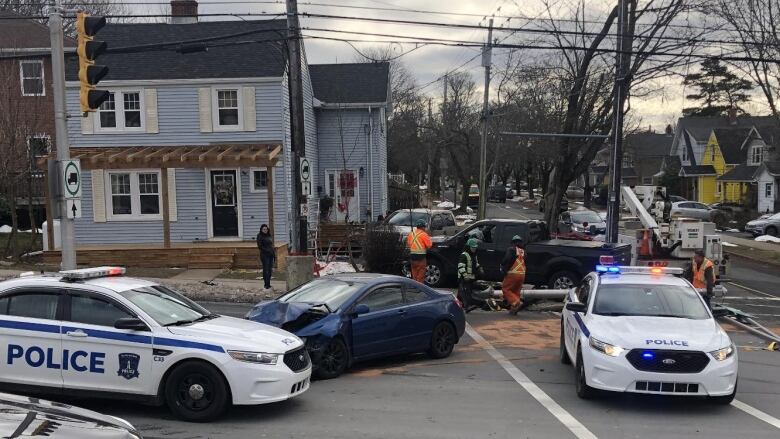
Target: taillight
(460, 304)
(606, 260)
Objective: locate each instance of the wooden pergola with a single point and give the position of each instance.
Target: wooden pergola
(166, 157)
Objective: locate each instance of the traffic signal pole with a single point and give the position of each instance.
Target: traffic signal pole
(68, 244)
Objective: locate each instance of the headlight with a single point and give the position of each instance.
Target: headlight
(723, 353)
(605, 348)
(255, 357)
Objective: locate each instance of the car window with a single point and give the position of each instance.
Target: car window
(483, 233)
(650, 300)
(702, 206)
(95, 311)
(414, 295)
(383, 298)
(511, 230)
(330, 291)
(583, 292)
(565, 217)
(37, 305)
(437, 223)
(449, 220)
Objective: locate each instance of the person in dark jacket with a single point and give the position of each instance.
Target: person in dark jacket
(265, 243)
(468, 270)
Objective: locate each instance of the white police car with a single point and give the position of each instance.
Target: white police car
(645, 330)
(96, 332)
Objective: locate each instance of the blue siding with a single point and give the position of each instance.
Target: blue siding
(191, 206)
(255, 208)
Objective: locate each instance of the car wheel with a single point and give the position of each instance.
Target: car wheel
(564, 280)
(771, 231)
(434, 276)
(564, 355)
(196, 392)
(584, 391)
(725, 399)
(443, 340)
(333, 361)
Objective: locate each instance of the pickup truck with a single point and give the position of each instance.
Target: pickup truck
(556, 263)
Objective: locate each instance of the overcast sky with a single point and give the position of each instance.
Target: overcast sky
(429, 62)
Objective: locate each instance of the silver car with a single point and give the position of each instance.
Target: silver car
(692, 209)
(765, 225)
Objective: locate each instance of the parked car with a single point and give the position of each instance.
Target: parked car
(21, 416)
(436, 219)
(352, 317)
(692, 209)
(564, 204)
(575, 192)
(584, 221)
(473, 196)
(556, 263)
(764, 225)
(497, 194)
(676, 198)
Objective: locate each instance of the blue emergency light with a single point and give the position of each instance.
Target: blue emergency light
(648, 356)
(605, 269)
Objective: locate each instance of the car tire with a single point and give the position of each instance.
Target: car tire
(725, 399)
(196, 391)
(564, 355)
(771, 231)
(563, 280)
(584, 391)
(333, 361)
(434, 274)
(443, 340)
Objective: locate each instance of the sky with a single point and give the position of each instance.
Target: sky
(428, 63)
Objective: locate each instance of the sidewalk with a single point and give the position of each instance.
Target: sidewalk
(761, 252)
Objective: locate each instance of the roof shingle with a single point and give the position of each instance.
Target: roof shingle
(351, 83)
(740, 173)
(696, 170)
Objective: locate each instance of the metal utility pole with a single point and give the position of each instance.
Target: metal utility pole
(68, 245)
(622, 60)
(299, 227)
(486, 61)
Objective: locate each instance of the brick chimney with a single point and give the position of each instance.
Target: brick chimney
(184, 11)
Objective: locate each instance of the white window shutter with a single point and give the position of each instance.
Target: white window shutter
(173, 212)
(150, 110)
(98, 196)
(88, 124)
(204, 103)
(248, 102)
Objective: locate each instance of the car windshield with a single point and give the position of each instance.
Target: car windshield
(406, 218)
(474, 190)
(775, 216)
(166, 306)
(586, 217)
(649, 300)
(330, 292)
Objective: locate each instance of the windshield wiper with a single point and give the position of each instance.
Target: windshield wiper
(188, 322)
(322, 304)
(674, 316)
(614, 314)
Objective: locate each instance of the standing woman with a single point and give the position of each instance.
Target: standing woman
(265, 243)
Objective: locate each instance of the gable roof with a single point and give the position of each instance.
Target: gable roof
(773, 168)
(260, 54)
(351, 83)
(697, 170)
(730, 141)
(701, 127)
(740, 173)
(649, 144)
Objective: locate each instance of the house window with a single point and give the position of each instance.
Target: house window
(757, 155)
(31, 74)
(684, 153)
(259, 180)
(228, 109)
(121, 112)
(768, 190)
(134, 195)
(712, 155)
(719, 188)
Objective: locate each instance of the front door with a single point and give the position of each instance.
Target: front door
(342, 187)
(224, 204)
(380, 330)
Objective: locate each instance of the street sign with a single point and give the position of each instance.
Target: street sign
(71, 179)
(74, 207)
(306, 188)
(305, 170)
(304, 209)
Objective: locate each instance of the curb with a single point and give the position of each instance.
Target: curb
(752, 258)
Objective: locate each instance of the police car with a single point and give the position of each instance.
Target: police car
(96, 332)
(645, 330)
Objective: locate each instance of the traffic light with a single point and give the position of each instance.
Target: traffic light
(88, 50)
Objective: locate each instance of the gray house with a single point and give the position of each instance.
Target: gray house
(207, 134)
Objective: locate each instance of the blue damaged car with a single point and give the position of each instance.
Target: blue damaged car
(358, 316)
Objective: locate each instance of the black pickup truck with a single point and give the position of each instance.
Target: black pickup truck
(556, 263)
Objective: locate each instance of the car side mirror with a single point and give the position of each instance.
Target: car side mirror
(720, 312)
(576, 307)
(131, 323)
(361, 309)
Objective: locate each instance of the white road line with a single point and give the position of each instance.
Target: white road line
(553, 407)
(751, 289)
(512, 212)
(752, 411)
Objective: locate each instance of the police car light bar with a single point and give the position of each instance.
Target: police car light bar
(617, 269)
(92, 273)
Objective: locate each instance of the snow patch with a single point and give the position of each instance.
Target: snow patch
(728, 244)
(335, 267)
(446, 205)
(767, 238)
(7, 229)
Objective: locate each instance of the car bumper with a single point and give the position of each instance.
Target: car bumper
(616, 374)
(260, 384)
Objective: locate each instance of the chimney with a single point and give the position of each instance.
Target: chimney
(732, 116)
(184, 11)
(669, 130)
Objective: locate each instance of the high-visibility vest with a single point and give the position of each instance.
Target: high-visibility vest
(466, 271)
(698, 274)
(416, 242)
(518, 267)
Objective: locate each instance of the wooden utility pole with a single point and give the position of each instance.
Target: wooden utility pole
(299, 229)
(486, 63)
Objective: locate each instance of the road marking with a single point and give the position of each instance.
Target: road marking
(512, 212)
(553, 407)
(751, 289)
(752, 411)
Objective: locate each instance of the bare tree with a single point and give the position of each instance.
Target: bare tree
(39, 9)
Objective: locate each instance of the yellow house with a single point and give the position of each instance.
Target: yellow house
(727, 149)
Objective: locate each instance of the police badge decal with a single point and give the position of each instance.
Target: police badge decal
(128, 365)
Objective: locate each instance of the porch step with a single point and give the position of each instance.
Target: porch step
(211, 257)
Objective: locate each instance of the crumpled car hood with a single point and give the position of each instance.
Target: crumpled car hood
(277, 313)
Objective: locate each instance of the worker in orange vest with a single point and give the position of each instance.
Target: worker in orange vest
(513, 267)
(701, 274)
(418, 242)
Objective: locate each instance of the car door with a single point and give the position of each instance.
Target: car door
(379, 331)
(421, 316)
(488, 252)
(30, 336)
(702, 211)
(505, 239)
(104, 358)
(573, 323)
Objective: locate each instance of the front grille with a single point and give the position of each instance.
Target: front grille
(297, 360)
(655, 386)
(667, 361)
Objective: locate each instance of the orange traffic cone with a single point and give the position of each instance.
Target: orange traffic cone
(644, 246)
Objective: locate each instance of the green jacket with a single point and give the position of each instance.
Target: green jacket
(468, 266)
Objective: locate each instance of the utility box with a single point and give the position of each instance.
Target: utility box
(713, 250)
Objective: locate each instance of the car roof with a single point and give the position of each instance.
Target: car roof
(365, 277)
(113, 283)
(642, 279)
(424, 210)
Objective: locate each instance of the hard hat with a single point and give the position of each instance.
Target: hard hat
(517, 238)
(472, 243)
(421, 223)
